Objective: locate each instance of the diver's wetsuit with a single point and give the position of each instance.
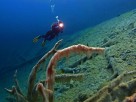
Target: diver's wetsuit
(55, 30)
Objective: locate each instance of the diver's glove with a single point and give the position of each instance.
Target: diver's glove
(43, 43)
(36, 39)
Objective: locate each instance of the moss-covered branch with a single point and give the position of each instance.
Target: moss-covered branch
(32, 76)
(118, 89)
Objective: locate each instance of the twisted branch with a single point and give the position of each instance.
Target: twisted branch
(33, 73)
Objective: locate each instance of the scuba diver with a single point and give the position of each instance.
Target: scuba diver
(56, 28)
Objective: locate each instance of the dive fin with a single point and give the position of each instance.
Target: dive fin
(36, 39)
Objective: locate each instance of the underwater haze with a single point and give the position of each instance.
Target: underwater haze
(22, 20)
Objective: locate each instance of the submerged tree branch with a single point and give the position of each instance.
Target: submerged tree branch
(33, 73)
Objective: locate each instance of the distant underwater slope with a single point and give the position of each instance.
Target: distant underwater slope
(117, 35)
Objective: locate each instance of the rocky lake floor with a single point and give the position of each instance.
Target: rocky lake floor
(108, 77)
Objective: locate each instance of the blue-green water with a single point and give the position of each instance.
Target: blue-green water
(22, 20)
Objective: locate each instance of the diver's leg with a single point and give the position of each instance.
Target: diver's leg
(43, 43)
(47, 37)
(52, 36)
(57, 37)
(37, 38)
(48, 34)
